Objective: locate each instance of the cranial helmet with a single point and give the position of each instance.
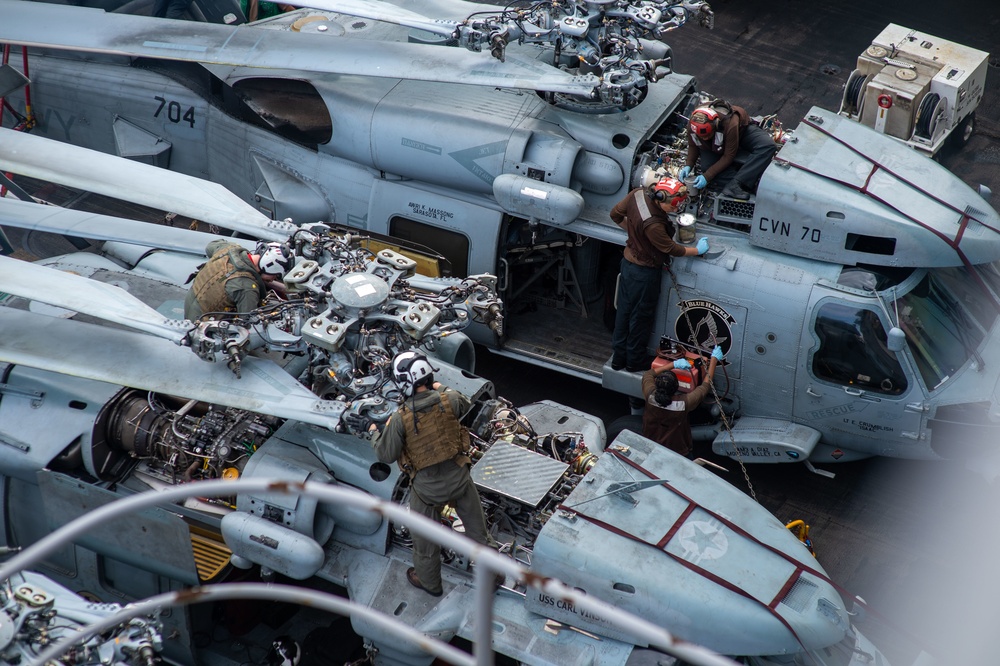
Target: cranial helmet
(410, 369)
(704, 122)
(275, 259)
(284, 652)
(669, 190)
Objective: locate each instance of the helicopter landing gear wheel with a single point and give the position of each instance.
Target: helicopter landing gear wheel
(631, 422)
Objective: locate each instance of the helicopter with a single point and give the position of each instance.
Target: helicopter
(854, 294)
(37, 610)
(109, 392)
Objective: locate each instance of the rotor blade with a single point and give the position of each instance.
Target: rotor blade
(385, 12)
(455, 10)
(53, 219)
(85, 29)
(140, 361)
(79, 294)
(93, 171)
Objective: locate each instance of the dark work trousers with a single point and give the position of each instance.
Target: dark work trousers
(427, 497)
(756, 150)
(638, 295)
(172, 9)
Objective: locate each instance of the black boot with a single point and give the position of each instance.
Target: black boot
(734, 190)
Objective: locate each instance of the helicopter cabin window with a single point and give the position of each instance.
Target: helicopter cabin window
(292, 108)
(946, 318)
(453, 245)
(853, 350)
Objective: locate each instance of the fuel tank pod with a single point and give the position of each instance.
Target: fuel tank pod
(537, 200)
(259, 541)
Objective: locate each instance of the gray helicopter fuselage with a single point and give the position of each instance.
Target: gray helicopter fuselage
(377, 132)
(706, 561)
(427, 161)
(95, 441)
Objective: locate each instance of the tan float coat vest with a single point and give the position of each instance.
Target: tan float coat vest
(434, 437)
(209, 284)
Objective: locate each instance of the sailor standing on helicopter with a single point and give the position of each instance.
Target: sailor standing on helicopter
(716, 133)
(425, 437)
(643, 214)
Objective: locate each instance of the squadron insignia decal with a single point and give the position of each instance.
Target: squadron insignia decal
(704, 324)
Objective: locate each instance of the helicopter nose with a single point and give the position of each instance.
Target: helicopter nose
(994, 410)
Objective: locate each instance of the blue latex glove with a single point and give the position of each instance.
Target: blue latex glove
(702, 245)
(700, 182)
(682, 364)
(717, 353)
(684, 173)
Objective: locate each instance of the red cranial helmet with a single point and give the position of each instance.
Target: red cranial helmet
(669, 190)
(704, 121)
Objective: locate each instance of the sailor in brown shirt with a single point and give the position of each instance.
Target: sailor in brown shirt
(665, 418)
(644, 215)
(716, 134)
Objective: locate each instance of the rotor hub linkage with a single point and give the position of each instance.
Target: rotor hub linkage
(609, 40)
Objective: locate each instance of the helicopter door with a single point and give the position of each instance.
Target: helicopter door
(850, 387)
(465, 233)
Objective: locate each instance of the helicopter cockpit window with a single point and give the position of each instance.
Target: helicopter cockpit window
(990, 273)
(867, 278)
(853, 350)
(945, 318)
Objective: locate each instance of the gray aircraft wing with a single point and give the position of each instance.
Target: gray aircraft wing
(144, 184)
(53, 219)
(92, 30)
(144, 362)
(79, 294)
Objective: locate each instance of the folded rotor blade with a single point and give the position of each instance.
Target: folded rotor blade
(140, 361)
(53, 219)
(91, 30)
(93, 171)
(79, 294)
(385, 12)
(454, 10)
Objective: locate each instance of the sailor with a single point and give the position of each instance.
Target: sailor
(234, 280)
(644, 215)
(427, 440)
(171, 9)
(716, 133)
(665, 418)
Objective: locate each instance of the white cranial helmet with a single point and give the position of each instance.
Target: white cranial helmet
(284, 652)
(409, 369)
(276, 259)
